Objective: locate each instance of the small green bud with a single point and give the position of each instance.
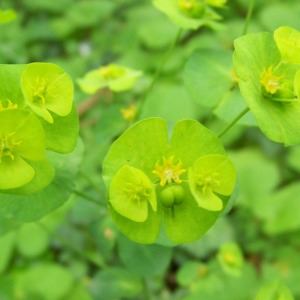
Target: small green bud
(179, 194)
(166, 197)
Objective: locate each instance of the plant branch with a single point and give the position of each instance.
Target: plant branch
(236, 119)
(83, 195)
(249, 16)
(98, 262)
(157, 73)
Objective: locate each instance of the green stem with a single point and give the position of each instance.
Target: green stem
(238, 117)
(89, 198)
(157, 73)
(117, 99)
(249, 15)
(146, 289)
(92, 183)
(98, 262)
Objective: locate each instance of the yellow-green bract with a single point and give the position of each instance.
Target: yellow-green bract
(22, 140)
(268, 70)
(116, 78)
(190, 14)
(37, 114)
(155, 193)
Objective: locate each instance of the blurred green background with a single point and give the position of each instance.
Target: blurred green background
(76, 252)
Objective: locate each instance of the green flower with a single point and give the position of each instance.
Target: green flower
(268, 72)
(152, 179)
(115, 77)
(190, 14)
(210, 176)
(22, 140)
(231, 259)
(47, 90)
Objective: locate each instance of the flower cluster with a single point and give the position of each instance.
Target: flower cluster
(35, 101)
(191, 14)
(184, 182)
(117, 78)
(268, 70)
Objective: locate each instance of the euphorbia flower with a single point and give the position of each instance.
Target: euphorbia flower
(115, 77)
(21, 140)
(268, 72)
(147, 177)
(47, 88)
(190, 14)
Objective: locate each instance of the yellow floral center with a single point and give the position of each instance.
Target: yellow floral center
(111, 72)
(186, 4)
(234, 77)
(229, 258)
(7, 145)
(40, 91)
(129, 113)
(168, 171)
(207, 181)
(9, 105)
(136, 192)
(270, 81)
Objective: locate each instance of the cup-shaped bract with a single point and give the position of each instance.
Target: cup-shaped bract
(269, 82)
(116, 78)
(188, 14)
(145, 156)
(288, 43)
(231, 259)
(22, 140)
(47, 89)
(210, 176)
(130, 194)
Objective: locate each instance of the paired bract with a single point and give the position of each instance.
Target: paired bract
(115, 77)
(37, 114)
(163, 189)
(268, 70)
(191, 14)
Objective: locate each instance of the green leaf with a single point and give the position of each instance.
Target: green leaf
(176, 104)
(54, 281)
(95, 10)
(231, 105)
(62, 134)
(47, 88)
(278, 120)
(7, 243)
(31, 240)
(208, 76)
(115, 283)
(283, 210)
(144, 260)
(190, 271)
(273, 291)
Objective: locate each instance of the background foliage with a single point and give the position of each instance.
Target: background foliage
(76, 252)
